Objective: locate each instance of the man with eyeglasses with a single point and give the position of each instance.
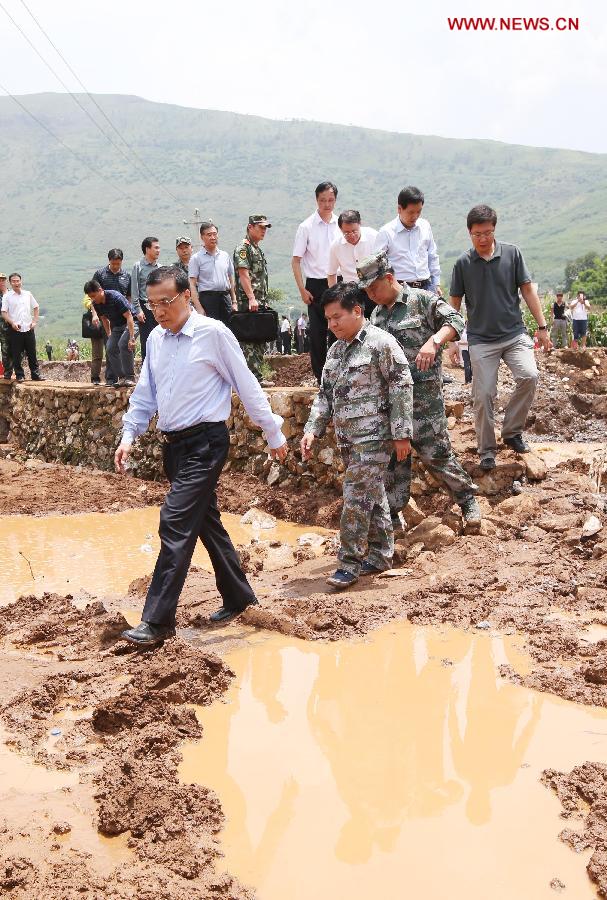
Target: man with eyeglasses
(490, 276)
(192, 364)
(252, 284)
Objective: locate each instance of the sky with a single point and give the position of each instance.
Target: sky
(397, 66)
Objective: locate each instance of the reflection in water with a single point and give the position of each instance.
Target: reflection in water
(378, 769)
(98, 552)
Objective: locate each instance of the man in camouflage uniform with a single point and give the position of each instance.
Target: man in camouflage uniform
(183, 245)
(252, 283)
(366, 388)
(5, 328)
(421, 322)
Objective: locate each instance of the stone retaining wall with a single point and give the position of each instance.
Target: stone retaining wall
(79, 424)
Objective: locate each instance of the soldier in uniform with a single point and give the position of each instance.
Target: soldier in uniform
(183, 245)
(252, 283)
(366, 388)
(422, 323)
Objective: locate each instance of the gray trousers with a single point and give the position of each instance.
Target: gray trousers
(121, 359)
(559, 327)
(517, 354)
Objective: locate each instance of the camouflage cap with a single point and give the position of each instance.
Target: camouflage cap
(259, 220)
(372, 267)
(2, 275)
(183, 240)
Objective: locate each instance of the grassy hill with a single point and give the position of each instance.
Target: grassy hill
(58, 219)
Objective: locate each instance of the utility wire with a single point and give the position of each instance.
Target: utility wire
(98, 106)
(71, 93)
(55, 137)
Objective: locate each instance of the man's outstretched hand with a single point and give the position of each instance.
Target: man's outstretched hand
(120, 458)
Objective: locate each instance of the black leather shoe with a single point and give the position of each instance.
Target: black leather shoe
(148, 635)
(20, 378)
(487, 463)
(517, 444)
(38, 378)
(224, 615)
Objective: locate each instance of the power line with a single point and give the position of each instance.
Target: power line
(97, 105)
(71, 93)
(80, 159)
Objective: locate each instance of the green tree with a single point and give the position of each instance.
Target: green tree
(593, 280)
(574, 268)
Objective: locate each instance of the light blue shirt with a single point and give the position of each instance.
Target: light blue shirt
(188, 379)
(212, 271)
(412, 252)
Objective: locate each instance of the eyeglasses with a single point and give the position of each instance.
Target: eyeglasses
(481, 235)
(161, 304)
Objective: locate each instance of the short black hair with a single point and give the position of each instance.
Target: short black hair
(12, 275)
(91, 287)
(204, 226)
(165, 273)
(116, 253)
(409, 195)
(349, 217)
(480, 214)
(325, 186)
(346, 293)
(147, 243)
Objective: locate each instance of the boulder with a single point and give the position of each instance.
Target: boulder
(535, 467)
(412, 514)
(258, 518)
(278, 558)
(591, 526)
(441, 536)
(521, 507)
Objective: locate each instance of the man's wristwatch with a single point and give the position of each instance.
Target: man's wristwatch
(542, 328)
(437, 341)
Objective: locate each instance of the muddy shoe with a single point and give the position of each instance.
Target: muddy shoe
(342, 579)
(223, 615)
(471, 514)
(487, 463)
(148, 635)
(517, 443)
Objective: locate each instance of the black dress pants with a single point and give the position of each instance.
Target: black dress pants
(216, 304)
(193, 466)
(20, 341)
(145, 329)
(320, 336)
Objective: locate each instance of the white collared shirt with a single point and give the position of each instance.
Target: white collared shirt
(412, 252)
(313, 243)
(20, 308)
(188, 379)
(344, 257)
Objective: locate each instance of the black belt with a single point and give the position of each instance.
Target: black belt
(171, 437)
(221, 293)
(416, 284)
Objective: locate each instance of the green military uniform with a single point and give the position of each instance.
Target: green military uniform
(366, 388)
(412, 320)
(249, 255)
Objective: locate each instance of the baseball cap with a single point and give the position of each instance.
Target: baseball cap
(259, 220)
(2, 275)
(183, 240)
(372, 267)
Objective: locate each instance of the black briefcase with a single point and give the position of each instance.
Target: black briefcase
(255, 327)
(88, 330)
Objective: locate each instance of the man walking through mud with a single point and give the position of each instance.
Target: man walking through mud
(191, 366)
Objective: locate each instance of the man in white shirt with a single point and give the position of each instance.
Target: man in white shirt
(311, 260)
(20, 311)
(355, 243)
(211, 274)
(192, 365)
(408, 238)
(580, 307)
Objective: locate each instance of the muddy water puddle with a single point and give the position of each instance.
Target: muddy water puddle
(399, 767)
(99, 552)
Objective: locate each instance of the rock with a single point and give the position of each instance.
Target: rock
(319, 622)
(273, 475)
(455, 409)
(498, 479)
(421, 531)
(62, 828)
(591, 526)
(557, 885)
(309, 539)
(451, 422)
(596, 671)
(281, 403)
(534, 535)
(326, 456)
(441, 536)
(521, 507)
(258, 518)
(517, 487)
(535, 467)
(278, 558)
(412, 514)
(599, 550)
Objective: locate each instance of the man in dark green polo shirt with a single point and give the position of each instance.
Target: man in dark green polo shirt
(490, 276)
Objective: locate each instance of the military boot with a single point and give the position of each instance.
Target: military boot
(471, 514)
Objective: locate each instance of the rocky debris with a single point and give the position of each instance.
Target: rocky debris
(412, 514)
(535, 467)
(591, 526)
(62, 828)
(258, 519)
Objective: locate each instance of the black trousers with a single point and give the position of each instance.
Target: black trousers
(216, 304)
(20, 341)
(193, 466)
(145, 328)
(320, 336)
(286, 342)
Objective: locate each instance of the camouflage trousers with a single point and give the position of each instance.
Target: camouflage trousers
(365, 530)
(432, 444)
(5, 348)
(253, 353)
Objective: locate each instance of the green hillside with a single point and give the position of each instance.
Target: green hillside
(58, 219)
